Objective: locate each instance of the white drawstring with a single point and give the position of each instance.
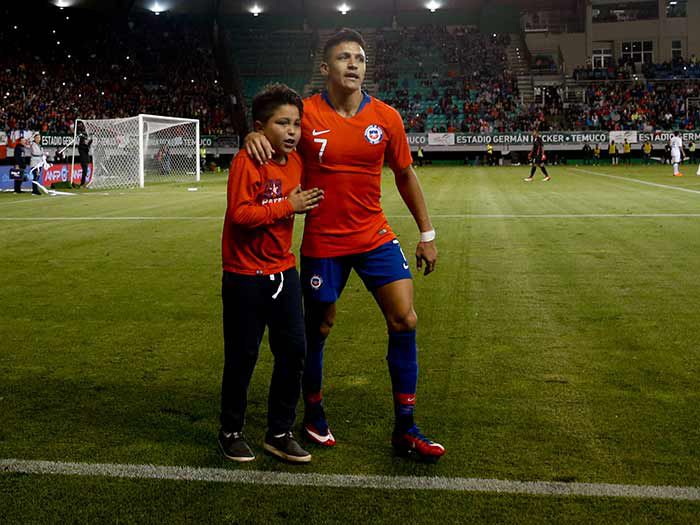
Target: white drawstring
(279, 288)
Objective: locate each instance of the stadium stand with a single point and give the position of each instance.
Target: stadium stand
(104, 69)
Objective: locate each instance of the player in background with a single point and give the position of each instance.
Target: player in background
(260, 284)
(346, 136)
(677, 153)
(537, 158)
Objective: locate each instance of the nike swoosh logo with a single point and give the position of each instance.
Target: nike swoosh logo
(405, 266)
(319, 437)
(320, 132)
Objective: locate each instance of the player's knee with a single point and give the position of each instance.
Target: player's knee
(405, 322)
(325, 328)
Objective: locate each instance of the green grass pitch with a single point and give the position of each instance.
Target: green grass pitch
(558, 340)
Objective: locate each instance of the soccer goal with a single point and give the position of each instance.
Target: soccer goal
(135, 151)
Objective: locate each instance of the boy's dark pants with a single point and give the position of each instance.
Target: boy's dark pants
(248, 308)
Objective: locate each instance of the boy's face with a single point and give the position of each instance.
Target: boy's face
(282, 129)
(345, 66)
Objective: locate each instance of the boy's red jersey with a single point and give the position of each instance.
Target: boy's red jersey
(259, 221)
(344, 157)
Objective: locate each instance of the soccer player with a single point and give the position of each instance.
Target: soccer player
(677, 153)
(260, 284)
(537, 158)
(346, 135)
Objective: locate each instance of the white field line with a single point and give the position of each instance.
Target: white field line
(253, 477)
(406, 216)
(638, 181)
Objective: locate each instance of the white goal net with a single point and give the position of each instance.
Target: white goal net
(134, 151)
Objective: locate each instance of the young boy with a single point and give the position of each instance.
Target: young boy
(260, 285)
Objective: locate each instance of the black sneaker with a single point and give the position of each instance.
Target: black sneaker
(286, 447)
(234, 447)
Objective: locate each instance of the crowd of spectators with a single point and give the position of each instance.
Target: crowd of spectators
(642, 106)
(464, 86)
(91, 68)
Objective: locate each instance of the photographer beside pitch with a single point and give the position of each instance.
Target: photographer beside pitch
(260, 284)
(346, 135)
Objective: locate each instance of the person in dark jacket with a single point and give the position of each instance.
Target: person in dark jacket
(19, 165)
(84, 151)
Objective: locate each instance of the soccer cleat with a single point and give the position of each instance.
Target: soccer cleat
(679, 174)
(413, 442)
(313, 434)
(547, 178)
(528, 179)
(234, 447)
(286, 447)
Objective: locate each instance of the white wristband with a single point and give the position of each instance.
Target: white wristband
(427, 236)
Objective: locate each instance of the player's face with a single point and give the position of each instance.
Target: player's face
(282, 129)
(345, 66)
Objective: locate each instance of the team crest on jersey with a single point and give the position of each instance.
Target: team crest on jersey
(374, 134)
(272, 192)
(316, 282)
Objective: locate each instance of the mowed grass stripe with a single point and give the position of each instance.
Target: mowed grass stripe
(219, 475)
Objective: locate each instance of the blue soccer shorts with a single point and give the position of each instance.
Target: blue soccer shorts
(323, 279)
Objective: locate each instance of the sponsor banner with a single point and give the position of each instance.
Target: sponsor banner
(60, 173)
(441, 139)
(208, 141)
(662, 137)
(620, 136)
(6, 183)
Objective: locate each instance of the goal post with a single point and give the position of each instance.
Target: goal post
(145, 149)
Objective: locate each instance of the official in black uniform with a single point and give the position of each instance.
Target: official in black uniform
(537, 158)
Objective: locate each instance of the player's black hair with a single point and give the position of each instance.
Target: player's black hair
(344, 35)
(272, 97)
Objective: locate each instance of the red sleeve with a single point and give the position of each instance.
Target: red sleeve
(398, 153)
(244, 185)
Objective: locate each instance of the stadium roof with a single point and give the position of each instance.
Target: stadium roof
(299, 6)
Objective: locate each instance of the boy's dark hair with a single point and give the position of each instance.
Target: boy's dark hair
(344, 35)
(272, 97)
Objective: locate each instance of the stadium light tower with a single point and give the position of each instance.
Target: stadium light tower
(256, 10)
(432, 6)
(64, 3)
(344, 8)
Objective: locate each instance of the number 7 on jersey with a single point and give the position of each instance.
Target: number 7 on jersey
(323, 143)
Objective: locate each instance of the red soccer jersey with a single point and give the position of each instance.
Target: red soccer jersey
(257, 236)
(344, 157)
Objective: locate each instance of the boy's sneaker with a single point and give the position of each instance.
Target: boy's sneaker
(528, 179)
(234, 447)
(547, 178)
(413, 442)
(286, 447)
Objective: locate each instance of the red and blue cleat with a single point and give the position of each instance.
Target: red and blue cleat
(412, 442)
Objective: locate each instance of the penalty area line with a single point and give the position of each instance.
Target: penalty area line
(254, 477)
